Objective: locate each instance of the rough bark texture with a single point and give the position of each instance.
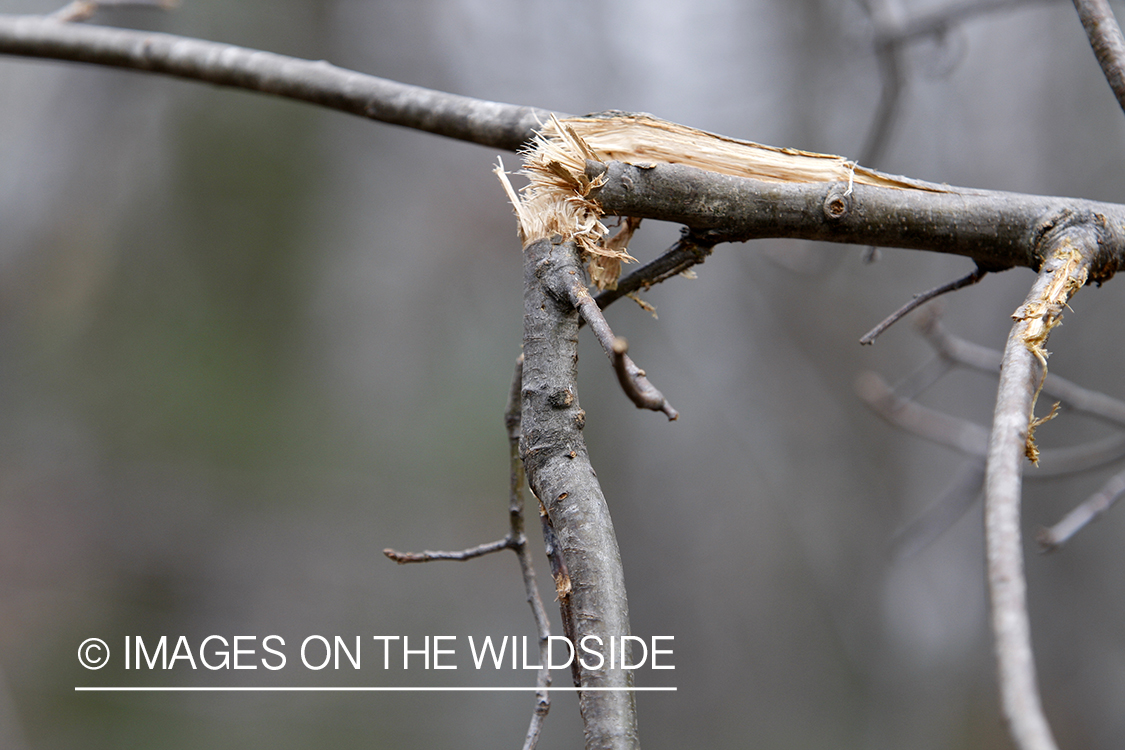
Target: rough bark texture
(559, 472)
(998, 230)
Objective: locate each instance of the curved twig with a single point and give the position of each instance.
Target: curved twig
(919, 300)
(632, 378)
(967, 354)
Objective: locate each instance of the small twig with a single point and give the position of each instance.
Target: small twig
(83, 10)
(922, 299)
(632, 378)
(960, 434)
(1106, 39)
(512, 421)
(1052, 538)
(515, 540)
(402, 558)
(690, 250)
(971, 439)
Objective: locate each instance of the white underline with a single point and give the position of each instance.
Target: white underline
(292, 689)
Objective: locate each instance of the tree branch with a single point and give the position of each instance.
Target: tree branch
(1108, 44)
(918, 301)
(492, 124)
(1068, 250)
(998, 230)
(967, 354)
(632, 378)
(1052, 538)
(560, 475)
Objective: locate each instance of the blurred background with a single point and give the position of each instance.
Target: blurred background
(246, 344)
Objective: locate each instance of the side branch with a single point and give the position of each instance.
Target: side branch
(492, 124)
(632, 378)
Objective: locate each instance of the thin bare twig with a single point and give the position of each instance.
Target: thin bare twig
(402, 558)
(690, 250)
(632, 378)
(971, 439)
(960, 434)
(1106, 39)
(515, 540)
(516, 481)
(921, 299)
(1054, 537)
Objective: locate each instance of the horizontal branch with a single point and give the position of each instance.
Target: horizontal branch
(998, 230)
(492, 124)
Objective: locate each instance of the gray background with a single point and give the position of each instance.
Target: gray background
(245, 345)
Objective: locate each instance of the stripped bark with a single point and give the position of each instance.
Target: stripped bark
(1021, 375)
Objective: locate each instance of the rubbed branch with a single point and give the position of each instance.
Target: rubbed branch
(492, 124)
(1023, 370)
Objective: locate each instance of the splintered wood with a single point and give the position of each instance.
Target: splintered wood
(1069, 271)
(559, 198)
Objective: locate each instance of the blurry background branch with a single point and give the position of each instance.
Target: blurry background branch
(1108, 44)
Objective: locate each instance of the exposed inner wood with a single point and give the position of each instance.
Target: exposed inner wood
(639, 138)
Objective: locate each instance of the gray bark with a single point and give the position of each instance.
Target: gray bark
(559, 472)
